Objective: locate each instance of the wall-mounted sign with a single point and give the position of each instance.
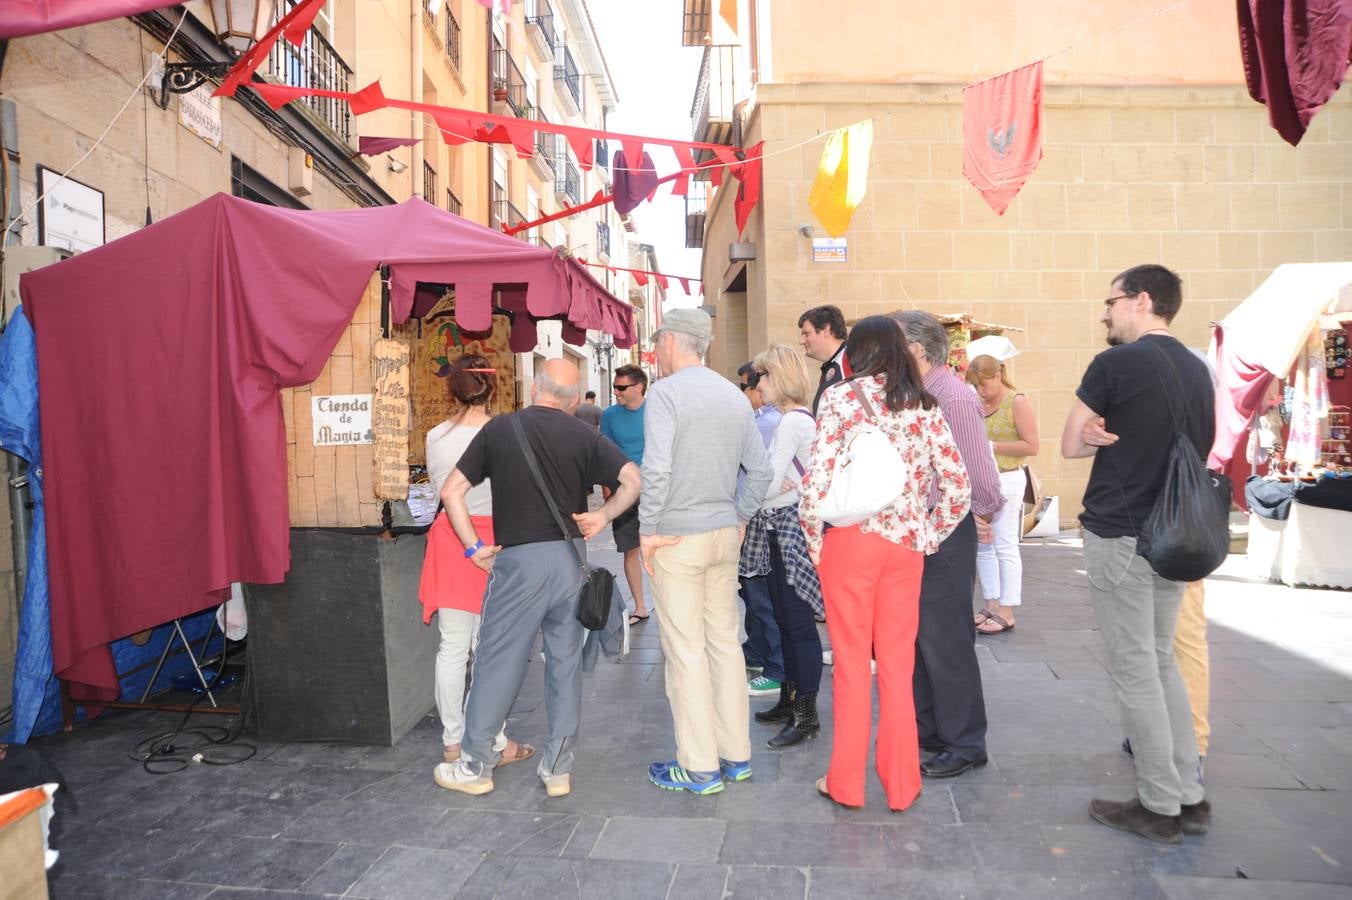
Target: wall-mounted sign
(341, 419)
(390, 418)
(71, 213)
(830, 250)
(200, 113)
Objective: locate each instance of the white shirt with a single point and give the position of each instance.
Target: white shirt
(793, 440)
(445, 445)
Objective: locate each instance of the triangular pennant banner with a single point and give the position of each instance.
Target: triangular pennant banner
(681, 186)
(278, 95)
(1002, 133)
(842, 177)
(716, 176)
(685, 285)
(640, 278)
(662, 280)
(455, 130)
(633, 154)
(522, 135)
(582, 146)
(728, 156)
(300, 26)
(368, 99)
(684, 158)
(748, 193)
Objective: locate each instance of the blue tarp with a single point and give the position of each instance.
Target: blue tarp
(37, 700)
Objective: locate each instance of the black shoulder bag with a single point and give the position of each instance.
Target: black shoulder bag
(593, 602)
(1187, 535)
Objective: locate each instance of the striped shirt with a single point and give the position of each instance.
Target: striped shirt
(962, 408)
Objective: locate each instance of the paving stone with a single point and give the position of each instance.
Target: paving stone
(658, 840)
(343, 869)
(248, 862)
(1183, 888)
(767, 883)
(407, 873)
(104, 887)
(696, 881)
(376, 824)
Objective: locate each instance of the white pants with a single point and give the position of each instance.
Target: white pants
(459, 637)
(998, 563)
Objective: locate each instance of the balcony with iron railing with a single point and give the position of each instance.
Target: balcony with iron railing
(696, 210)
(603, 240)
(545, 146)
(568, 81)
(429, 192)
(540, 25)
(716, 92)
(314, 64)
(567, 180)
(504, 215)
(509, 85)
(452, 202)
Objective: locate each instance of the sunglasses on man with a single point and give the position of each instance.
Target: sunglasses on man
(626, 386)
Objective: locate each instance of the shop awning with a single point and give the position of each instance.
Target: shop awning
(160, 360)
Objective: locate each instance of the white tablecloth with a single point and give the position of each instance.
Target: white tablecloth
(1313, 547)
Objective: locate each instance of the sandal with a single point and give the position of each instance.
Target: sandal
(981, 616)
(635, 619)
(1002, 625)
(821, 789)
(524, 752)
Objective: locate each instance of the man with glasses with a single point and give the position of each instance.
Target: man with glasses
(1131, 401)
(623, 424)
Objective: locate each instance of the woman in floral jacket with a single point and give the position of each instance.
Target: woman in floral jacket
(870, 572)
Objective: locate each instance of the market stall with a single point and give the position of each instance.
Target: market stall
(178, 368)
(1282, 421)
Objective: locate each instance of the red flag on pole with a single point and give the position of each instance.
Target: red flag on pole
(1002, 133)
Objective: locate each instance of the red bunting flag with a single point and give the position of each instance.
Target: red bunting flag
(278, 95)
(748, 192)
(641, 278)
(685, 285)
(582, 145)
(368, 99)
(522, 136)
(1002, 133)
(681, 186)
(684, 158)
(662, 280)
(455, 130)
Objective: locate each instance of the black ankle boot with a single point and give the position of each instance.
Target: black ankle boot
(803, 726)
(781, 711)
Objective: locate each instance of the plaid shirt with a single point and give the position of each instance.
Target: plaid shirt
(799, 571)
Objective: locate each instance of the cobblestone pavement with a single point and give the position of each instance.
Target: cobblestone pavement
(307, 819)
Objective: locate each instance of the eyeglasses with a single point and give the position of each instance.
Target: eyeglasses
(1108, 303)
(625, 387)
(761, 373)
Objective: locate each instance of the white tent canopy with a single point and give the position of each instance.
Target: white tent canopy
(1270, 327)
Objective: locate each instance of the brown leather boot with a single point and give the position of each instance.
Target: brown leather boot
(1196, 818)
(1132, 816)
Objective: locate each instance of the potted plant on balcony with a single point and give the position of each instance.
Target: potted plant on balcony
(500, 91)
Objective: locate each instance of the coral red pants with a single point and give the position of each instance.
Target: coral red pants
(872, 592)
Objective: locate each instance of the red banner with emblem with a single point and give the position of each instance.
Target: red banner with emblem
(1002, 133)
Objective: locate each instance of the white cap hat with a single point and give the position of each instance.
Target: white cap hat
(993, 345)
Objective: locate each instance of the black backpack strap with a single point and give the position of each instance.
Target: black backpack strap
(539, 480)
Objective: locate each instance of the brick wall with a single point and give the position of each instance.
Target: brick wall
(1190, 177)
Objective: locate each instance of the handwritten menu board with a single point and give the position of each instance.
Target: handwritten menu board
(390, 417)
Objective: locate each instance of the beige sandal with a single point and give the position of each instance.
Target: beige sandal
(524, 752)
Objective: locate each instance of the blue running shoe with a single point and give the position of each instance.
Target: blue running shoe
(671, 777)
(735, 771)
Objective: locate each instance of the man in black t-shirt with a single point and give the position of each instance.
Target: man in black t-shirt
(534, 578)
(1132, 400)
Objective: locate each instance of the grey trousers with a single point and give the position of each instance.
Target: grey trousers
(1137, 613)
(532, 587)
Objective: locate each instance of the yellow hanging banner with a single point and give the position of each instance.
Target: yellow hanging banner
(842, 177)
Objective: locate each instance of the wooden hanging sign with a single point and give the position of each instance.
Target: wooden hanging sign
(390, 418)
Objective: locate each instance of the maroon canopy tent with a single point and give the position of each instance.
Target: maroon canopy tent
(160, 361)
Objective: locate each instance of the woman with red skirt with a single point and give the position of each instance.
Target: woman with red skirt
(452, 586)
(870, 572)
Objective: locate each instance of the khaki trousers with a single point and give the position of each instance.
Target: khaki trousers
(695, 585)
(1194, 663)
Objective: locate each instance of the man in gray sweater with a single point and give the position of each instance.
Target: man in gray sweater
(697, 432)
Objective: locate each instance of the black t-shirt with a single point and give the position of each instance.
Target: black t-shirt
(1132, 387)
(572, 455)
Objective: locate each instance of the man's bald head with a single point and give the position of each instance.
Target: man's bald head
(556, 385)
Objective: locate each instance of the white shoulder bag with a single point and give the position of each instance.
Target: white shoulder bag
(869, 474)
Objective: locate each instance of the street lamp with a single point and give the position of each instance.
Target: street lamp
(237, 24)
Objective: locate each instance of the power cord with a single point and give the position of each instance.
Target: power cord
(212, 745)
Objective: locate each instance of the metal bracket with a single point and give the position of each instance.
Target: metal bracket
(186, 77)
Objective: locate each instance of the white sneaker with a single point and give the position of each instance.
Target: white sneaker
(560, 785)
(828, 658)
(458, 776)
